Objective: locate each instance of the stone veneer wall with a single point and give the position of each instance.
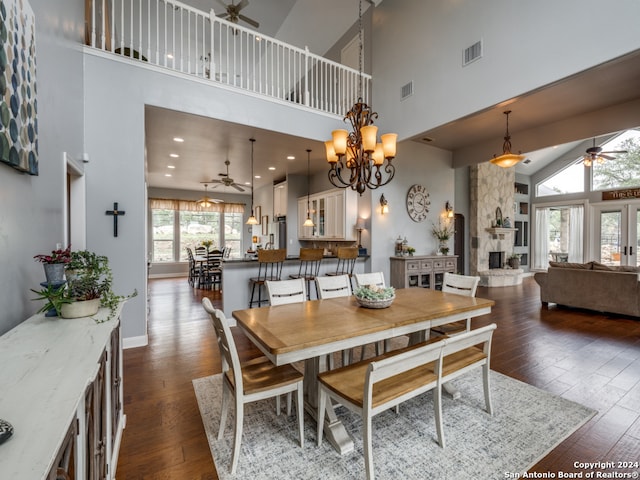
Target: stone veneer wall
(490, 187)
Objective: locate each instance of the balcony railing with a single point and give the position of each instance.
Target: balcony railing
(176, 36)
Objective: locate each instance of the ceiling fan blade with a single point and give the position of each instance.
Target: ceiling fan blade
(608, 157)
(251, 22)
(242, 4)
(223, 174)
(222, 3)
(223, 15)
(237, 187)
(617, 151)
(215, 180)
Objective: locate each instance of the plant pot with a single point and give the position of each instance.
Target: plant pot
(54, 272)
(82, 308)
(514, 263)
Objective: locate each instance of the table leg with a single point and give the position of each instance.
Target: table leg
(334, 430)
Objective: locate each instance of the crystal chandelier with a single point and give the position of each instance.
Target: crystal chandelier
(355, 158)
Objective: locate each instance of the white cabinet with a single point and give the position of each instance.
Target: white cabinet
(334, 214)
(280, 200)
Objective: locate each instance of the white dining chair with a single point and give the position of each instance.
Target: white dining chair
(334, 287)
(282, 292)
(460, 285)
(250, 382)
(371, 278)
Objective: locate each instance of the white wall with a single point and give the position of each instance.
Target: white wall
(526, 45)
(415, 164)
(31, 206)
(116, 94)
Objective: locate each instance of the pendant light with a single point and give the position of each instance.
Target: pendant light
(308, 222)
(252, 219)
(507, 159)
(205, 201)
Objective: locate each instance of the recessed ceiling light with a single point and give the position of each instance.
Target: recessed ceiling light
(178, 139)
(169, 55)
(272, 168)
(247, 183)
(171, 166)
(291, 157)
(258, 176)
(167, 174)
(174, 155)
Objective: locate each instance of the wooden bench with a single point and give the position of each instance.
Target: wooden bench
(374, 385)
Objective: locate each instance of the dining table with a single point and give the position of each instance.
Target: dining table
(309, 331)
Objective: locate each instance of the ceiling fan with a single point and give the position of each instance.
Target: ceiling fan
(226, 180)
(596, 155)
(206, 201)
(233, 13)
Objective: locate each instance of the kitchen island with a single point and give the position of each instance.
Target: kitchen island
(236, 287)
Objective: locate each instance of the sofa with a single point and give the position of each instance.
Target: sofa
(593, 286)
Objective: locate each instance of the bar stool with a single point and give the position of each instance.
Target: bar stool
(346, 261)
(310, 259)
(269, 268)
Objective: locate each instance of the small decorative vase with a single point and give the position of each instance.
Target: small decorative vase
(54, 272)
(442, 247)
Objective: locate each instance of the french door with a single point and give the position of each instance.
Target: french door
(617, 234)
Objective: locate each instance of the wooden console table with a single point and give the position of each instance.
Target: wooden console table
(62, 392)
(424, 271)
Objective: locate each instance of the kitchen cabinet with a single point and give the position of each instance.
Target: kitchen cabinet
(334, 214)
(280, 192)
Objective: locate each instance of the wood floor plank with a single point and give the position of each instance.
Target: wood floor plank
(592, 358)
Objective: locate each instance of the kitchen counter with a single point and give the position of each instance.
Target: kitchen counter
(236, 287)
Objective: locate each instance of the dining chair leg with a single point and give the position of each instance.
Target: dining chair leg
(278, 405)
(300, 413)
(237, 434)
(366, 440)
(487, 389)
(437, 407)
(288, 404)
(322, 404)
(225, 408)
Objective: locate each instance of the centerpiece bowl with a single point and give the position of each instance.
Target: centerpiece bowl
(372, 296)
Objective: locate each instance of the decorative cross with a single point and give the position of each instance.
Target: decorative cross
(115, 212)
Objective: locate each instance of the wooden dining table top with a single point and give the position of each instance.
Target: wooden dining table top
(299, 331)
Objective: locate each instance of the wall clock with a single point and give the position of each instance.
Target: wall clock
(418, 203)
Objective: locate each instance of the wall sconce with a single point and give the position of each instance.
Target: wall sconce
(384, 205)
(449, 209)
(360, 225)
(254, 239)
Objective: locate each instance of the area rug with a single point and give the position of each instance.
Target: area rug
(527, 424)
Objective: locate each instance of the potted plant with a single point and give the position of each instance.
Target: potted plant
(442, 233)
(514, 260)
(54, 264)
(88, 287)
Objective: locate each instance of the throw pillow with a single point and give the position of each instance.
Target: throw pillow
(583, 266)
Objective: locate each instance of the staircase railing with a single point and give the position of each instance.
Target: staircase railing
(173, 35)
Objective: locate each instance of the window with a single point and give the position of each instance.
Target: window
(559, 235)
(568, 180)
(624, 170)
(184, 225)
(163, 235)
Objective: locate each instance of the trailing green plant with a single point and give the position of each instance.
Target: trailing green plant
(373, 292)
(89, 276)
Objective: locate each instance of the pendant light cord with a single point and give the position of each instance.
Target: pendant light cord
(308, 170)
(252, 140)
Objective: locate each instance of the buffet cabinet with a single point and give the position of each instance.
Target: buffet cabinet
(62, 392)
(424, 271)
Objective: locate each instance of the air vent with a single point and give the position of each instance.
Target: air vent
(472, 53)
(406, 91)
(527, 161)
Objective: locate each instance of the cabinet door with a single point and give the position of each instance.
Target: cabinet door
(280, 200)
(320, 220)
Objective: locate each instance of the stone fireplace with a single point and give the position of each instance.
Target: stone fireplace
(491, 188)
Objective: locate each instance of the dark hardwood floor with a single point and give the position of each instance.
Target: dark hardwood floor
(588, 357)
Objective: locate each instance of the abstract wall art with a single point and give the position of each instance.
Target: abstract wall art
(18, 105)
